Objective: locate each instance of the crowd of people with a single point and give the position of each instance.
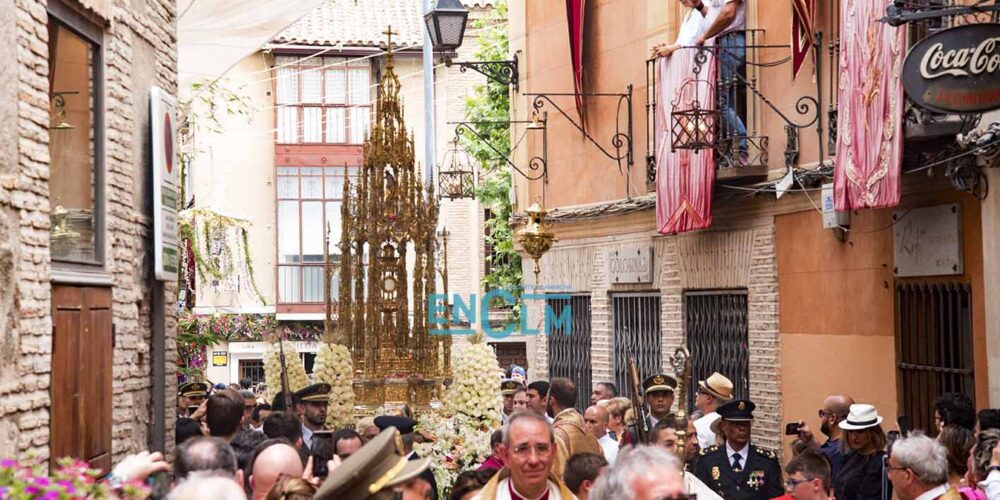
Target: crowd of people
(231, 445)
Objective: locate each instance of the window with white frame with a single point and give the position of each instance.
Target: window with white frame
(309, 204)
(322, 100)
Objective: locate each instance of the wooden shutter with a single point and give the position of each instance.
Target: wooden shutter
(82, 346)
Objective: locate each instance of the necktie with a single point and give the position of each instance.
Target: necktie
(737, 466)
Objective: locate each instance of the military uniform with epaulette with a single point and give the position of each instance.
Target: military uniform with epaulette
(757, 477)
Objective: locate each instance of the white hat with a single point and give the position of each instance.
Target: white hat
(861, 417)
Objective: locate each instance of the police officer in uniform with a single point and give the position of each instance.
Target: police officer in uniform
(659, 391)
(190, 394)
(736, 469)
(313, 401)
(407, 431)
(379, 470)
(507, 389)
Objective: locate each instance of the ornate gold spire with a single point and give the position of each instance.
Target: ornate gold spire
(388, 216)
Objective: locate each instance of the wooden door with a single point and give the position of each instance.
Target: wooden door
(82, 346)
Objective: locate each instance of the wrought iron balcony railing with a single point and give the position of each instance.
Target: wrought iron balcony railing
(732, 120)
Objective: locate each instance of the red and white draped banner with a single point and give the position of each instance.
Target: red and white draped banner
(870, 128)
(685, 178)
(574, 18)
(803, 28)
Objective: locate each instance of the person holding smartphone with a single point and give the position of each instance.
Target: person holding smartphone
(834, 411)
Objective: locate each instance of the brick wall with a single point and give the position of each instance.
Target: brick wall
(139, 51)
(708, 260)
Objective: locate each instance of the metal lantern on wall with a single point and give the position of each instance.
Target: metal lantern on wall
(536, 237)
(446, 25)
(457, 180)
(692, 126)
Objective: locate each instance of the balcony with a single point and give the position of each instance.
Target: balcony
(734, 116)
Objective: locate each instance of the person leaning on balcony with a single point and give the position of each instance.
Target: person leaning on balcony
(863, 474)
(699, 12)
(727, 20)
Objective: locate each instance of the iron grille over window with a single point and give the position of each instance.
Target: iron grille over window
(636, 336)
(252, 369)
(718, 336)
(569, 351)
(934, 346)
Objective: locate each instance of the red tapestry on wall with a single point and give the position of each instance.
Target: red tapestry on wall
(870, 137)
(574, 18)
(803, 26)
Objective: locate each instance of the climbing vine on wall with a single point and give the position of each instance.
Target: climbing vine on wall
(489, 108)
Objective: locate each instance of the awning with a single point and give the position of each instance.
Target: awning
(214, 35)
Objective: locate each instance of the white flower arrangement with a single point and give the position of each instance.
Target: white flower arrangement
(476, 392)
(333, 366)
(460, 433)
(297, 378)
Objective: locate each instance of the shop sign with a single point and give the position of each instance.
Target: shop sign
(630, 265)
(956, 70)
(219, 358)
(166, 184)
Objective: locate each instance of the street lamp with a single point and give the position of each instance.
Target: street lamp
(446, 24)
(446, 27)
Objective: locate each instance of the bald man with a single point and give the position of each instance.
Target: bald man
(596, 423)
(835, 409)
(200, 485)
(273, 458)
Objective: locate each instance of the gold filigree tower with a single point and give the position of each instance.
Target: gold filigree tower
(389, 216)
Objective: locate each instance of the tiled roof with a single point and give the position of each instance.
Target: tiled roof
(361, 23)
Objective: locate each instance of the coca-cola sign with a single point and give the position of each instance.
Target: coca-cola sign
(956, 70)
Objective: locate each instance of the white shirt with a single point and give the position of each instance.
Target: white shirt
(703, 426)
(991, 485)
(550, 419)
(739, 22)
(744, 453)
(307, 436)
(652, 420)
(610, 447)
(693, 485)
(936, 492)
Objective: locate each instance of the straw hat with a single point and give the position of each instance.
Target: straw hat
(718, 385)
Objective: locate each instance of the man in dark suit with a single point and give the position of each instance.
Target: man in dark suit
(738, 469)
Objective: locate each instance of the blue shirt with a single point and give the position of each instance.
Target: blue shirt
(831, 448)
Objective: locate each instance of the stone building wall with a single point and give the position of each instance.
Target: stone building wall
(743, 258)
(139, 51)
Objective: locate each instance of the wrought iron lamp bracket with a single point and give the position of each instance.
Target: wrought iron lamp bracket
(621, 141)
(537, 163)
(898, 16)
(502, 72)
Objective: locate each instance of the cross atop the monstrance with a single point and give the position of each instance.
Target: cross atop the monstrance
(389, 34)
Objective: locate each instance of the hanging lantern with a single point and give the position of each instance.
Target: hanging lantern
(536, 237)
(692, 126)
(458, 180)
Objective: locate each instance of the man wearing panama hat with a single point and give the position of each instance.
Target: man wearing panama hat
(712, 393)
(736, 469)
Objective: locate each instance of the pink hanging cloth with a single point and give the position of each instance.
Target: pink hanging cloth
(685, 178)
(870, 123)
